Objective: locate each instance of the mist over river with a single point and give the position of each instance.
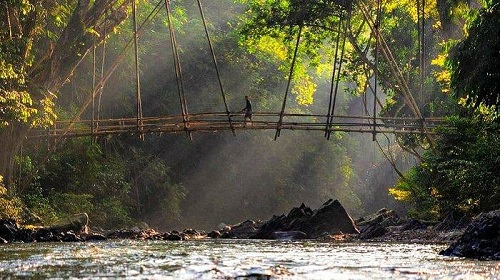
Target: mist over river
(228, 259)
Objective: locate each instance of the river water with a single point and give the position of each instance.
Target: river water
(240, 259)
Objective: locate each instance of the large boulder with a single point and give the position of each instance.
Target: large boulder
(383, 217)
(76, 223)
(377, 224)
(330, 218)
(372, 231)
(481, 239)
(244, 230)
(289, 235)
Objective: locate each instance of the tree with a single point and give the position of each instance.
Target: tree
(459, 173)
(475, 61)
(41, 43)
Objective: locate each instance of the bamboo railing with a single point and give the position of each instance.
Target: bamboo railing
(218, 121)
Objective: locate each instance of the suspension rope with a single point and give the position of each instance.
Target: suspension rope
(110, 71)
(137, 76)
(386, 156)
(421, 46)
(94, 74)
(332, 84)
(395, 70)
(393, 66)
(375, 78)
(346, 23)
(103, 63)
(178, 70)
(214, 59)
(280, 122)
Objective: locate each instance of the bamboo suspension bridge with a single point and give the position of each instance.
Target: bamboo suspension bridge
(224, 121)
(215, 122)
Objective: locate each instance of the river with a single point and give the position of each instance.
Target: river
(229, 259)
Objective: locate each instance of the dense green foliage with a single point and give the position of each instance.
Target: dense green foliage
(475, 60)
(19, 99)
(10, 208)
(459, 174)
(169, 181)
(115, 187)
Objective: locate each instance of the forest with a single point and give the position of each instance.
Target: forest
(424, 59)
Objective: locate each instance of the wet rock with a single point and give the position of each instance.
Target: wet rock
(95, 237)
(331, 217)
(372, 231)
(71, 237)
(46, 235)
(135, 229)
(481, 239)
(256, 273)
(289, 235)
(122, 234)
(246, 229)
(148, 234)
(377, 224)
(76, 223)
(190, 231)
(26, 235)
(384, 217)
(172, 236)
(9, 229)
(187, 234)
(214, 234)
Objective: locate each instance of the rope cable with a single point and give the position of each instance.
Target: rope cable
(94, 74)
(177, 67)
(110, 71)
(346, 23)
(103, 63)
(137, 76)
(332, 87)
(396, 71)
(280, 122)
(375, 78)
(421, 33)
(214, 59)
(388, 158)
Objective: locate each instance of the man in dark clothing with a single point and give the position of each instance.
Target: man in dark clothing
(248, 109)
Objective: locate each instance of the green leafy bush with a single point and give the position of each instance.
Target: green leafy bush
(10, 208)
(70, 203)
(459, 174)
(111, 213)
(39, 205)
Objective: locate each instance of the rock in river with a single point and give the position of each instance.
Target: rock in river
(330, 218)
(481, 239)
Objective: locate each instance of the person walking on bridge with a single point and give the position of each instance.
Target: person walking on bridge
(247, 110)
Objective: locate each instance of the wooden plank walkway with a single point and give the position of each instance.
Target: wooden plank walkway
(214, 122)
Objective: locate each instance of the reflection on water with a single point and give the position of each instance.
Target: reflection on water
(209, 259)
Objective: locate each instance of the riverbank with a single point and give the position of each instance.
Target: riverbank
(330, 222)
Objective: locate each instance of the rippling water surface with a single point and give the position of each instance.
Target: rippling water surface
(209, 259)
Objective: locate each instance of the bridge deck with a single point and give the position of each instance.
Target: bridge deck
(213, 122)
